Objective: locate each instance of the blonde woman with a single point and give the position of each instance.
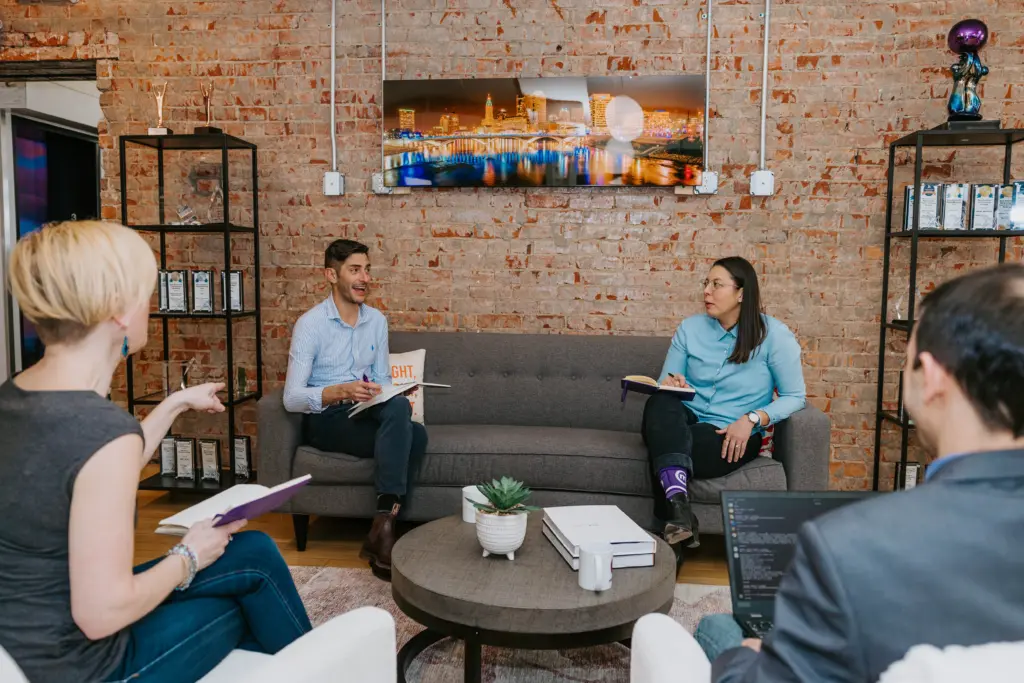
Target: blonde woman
(72, 608)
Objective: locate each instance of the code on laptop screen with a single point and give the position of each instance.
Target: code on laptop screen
(762, 537)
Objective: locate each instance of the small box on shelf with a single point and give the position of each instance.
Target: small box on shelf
(185, 461)
(983, 206)
(242, 453)
(202, 291)
(233, 292)
(168, 456)
(931, 206)
(912, 477)
(177, 291)
(954, 206)
(209, 456)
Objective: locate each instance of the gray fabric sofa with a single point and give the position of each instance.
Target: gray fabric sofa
(544, 409)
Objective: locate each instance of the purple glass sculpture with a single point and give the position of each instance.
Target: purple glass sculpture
(966, 38)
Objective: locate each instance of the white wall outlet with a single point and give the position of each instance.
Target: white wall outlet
(762, 183)
(334, 184)
(708, 183)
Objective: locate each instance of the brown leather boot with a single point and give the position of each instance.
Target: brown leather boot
(380, 541)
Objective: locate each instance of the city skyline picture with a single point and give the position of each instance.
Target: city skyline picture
(544, 132)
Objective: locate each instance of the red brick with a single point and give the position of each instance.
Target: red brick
(845, 80)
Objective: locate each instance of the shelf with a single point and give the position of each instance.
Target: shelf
(200, 228)
(900, 325)
(943, 137)
(156, 398)
(202, 316)
(957, 234)
(167, 482)
(189, 142)
(892, 417)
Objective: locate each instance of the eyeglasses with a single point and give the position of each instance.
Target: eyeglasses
(715, 284)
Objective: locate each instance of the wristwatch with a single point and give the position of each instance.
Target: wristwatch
(754, 417)
(191, 559)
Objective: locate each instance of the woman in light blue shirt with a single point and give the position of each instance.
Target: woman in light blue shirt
(736, 359)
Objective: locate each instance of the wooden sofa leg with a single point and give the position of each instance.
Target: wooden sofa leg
(301, 523)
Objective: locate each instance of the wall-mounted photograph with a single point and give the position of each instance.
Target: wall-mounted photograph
(544, 132)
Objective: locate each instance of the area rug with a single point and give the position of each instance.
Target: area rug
(329, 591)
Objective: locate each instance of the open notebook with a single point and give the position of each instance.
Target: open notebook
(242, 501)
(648, 385)
(389, 392)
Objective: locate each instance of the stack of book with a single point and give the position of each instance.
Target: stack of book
(571, 527)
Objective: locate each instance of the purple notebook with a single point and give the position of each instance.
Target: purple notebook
(254, 508)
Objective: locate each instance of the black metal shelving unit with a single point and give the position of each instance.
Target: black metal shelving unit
(942, 136)
(205, 142)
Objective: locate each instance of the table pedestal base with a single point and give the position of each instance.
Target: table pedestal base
(473, 665)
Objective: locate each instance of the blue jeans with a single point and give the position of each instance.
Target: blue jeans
(717, 633)
(384, 432)
(246, 599)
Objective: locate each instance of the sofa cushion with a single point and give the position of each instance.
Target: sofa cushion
(761, 474)
(551, 458)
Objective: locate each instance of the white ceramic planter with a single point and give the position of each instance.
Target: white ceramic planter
(500, 534)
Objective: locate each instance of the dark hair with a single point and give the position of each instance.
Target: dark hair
(339, 251)
(751, 329)
(974, 328)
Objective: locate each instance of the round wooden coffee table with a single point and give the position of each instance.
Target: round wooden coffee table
(440, 579)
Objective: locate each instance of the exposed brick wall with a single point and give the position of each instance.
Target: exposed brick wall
(845, 79)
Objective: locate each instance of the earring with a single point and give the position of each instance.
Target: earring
(124, 347)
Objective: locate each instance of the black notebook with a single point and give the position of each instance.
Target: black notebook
(647, 385)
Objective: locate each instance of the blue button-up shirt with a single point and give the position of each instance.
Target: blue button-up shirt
(726, 391)
(326, 350)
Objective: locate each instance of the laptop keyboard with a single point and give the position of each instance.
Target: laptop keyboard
(759, 627)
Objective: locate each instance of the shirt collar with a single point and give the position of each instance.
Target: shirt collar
(937, 465)
(719, 330)
(332, 311)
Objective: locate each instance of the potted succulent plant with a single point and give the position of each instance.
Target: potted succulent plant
(501, 521)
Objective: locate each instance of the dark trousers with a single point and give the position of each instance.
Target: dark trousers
(674, 438)
(246, 599)
(384, 432)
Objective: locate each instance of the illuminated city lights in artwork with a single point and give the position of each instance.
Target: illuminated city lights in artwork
(644, 130)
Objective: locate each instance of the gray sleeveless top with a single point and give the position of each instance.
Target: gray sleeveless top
(45, 438)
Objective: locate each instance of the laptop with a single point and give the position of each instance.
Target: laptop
(760, 541)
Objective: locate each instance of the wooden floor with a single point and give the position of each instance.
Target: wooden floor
(336, 542)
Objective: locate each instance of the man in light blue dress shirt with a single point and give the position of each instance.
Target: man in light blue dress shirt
(339, 356)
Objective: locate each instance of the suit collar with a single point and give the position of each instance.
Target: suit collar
(975, 466)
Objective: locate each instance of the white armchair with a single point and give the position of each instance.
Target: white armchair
(356, 646)
(664, 652)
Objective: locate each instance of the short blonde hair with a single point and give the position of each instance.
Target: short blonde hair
(69, 277)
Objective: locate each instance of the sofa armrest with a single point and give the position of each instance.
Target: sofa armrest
(280, 433)
(802, 446)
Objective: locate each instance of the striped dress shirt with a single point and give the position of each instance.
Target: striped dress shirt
(326, 350)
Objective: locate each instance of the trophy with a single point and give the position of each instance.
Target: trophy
(966, 38)
(158, 93)
(207, 106)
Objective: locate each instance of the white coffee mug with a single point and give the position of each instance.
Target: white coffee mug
(468, 511)
(596, 567)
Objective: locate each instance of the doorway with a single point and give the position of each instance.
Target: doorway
(50, 173)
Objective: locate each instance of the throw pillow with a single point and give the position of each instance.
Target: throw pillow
(767, 442)
(408, 367)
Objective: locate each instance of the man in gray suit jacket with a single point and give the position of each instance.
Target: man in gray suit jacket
(940, 564)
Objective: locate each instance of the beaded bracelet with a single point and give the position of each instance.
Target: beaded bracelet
(193, 564)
